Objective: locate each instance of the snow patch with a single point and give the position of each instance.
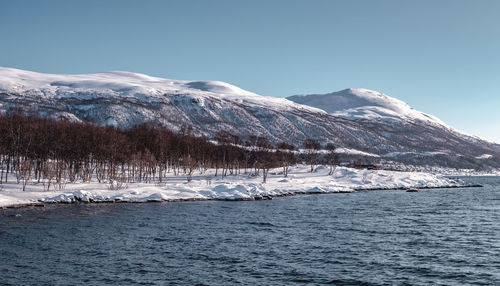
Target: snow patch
(484, 156)
(349, 151)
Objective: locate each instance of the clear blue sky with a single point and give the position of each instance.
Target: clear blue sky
(442, 57)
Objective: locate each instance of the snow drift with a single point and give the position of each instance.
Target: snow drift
(238, 187)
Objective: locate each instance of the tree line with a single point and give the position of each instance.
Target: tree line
(56, 152)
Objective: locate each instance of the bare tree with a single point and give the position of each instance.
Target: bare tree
(24, 172)
(332, 157)
(190, 164)
(312, 147)
(286, 156)
(49, 173)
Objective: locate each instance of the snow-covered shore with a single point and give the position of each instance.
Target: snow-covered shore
(233, 187)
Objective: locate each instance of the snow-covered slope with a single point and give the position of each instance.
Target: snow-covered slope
(362, 121)
(129, 85)
(359, 103)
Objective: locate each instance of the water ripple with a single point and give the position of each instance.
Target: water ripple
(435, 237)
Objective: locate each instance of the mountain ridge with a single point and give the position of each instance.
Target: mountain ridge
(125, 99)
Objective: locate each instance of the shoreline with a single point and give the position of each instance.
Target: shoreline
(238, 187)
(78, 200)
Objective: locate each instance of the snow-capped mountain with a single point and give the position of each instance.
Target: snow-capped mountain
(359, 103)
(395, 119)
(359, 121)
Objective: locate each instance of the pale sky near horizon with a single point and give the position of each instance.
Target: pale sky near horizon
(442, 57)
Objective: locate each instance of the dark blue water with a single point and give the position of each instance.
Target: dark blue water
(443, 236)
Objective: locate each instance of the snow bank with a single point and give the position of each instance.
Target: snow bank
(238, 187)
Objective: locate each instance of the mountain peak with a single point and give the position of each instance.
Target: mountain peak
(361, 103)
(351, 98)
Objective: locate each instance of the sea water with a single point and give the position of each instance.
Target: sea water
(437, 236)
